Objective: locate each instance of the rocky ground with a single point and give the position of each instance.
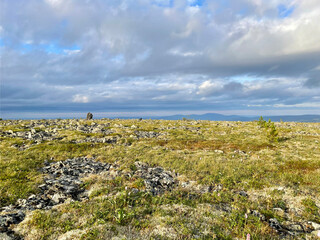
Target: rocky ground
(143, 179)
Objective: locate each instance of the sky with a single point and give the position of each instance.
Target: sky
(64, 58)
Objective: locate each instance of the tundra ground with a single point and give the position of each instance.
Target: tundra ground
(230, 179)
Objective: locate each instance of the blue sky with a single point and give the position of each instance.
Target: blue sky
(285, 11)
(159, 57)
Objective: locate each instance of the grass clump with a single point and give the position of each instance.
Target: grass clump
(311, 209)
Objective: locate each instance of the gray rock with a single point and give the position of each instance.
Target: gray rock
(157, 180)
(134, 190)
(147, 134)
(279, 212)
(58, 198)
(256, 213)
(243, 194)
(316, 226)
(62, 182)
(274, 223)
(11, 218)
(5, 236)
(292, 226)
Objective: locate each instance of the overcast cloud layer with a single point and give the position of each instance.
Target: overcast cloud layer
(160, 56)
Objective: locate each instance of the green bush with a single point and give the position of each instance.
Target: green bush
(272, 132)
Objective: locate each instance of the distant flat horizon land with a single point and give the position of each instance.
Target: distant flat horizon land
(205, 116)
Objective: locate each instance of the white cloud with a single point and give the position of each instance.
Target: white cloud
(54, 2)
(299, 105)
(146, 52)
(208, 88)
(78, 98)
(178, 52)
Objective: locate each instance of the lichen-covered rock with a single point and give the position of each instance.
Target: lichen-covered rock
(5, 236)
(274, 223)
(11, 218)
(292, 226)
(156, 179)
(97, 140)
(37, 136)
(62, 182)
(147, 134)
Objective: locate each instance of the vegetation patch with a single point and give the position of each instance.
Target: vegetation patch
(231, 178)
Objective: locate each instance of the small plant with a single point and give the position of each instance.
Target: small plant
(120, 216)
(133, 167)
(92, 234)
(120, 205)
(139, 183)
(311, 209)
(272, 132)
(129, 141)
(280, 204)
(262, 122)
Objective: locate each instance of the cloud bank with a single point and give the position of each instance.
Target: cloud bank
(241, 56)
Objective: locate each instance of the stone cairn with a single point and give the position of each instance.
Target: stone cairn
(89, 116)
